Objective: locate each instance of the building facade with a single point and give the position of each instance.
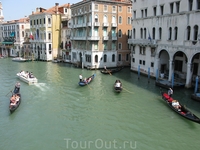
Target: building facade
(166, 39)
(99, 33)
(13, 34)
(45, 32)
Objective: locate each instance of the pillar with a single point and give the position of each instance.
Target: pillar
(188, 76)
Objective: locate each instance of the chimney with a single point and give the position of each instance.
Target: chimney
(56, 4)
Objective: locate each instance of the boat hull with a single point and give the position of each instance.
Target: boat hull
(82, 83)
(184, 112)
(27, 80)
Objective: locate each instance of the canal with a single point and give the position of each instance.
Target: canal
(58, 114)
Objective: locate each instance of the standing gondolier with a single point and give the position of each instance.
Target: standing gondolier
(80, 77)
(170, 92)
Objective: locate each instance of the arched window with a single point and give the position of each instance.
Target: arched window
(145, 33)
(134, 33)
(188, 33)
(113, 57)
(141, 33)
(96, 58)
(105, 58)
(170, 34)
(96, 18)
(154, 33)
(160, 33)
(120, 33)
(195, 32)
(175, 33)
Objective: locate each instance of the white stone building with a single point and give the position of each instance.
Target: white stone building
(166, 38)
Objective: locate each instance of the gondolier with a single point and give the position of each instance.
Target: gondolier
(80, 77)
(170, 92)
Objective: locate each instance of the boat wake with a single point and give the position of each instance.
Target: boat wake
(42, 86)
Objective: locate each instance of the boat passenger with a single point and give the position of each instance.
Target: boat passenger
(176, 104)
(105, 69)
(85, 80)
(89, 79)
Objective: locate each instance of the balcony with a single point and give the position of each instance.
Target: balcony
(114, 38)
(105, 38)
(96, 24)
(79, 38)
(142, 42)
(105, 24)
(89, 24)
(93, 38)
(114, 24)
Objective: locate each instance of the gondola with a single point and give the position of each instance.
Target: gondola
(111, 71)
(196, 97)
(182, 111)
(166, 84)
(88, 80)
(15, 99)
(118, 89)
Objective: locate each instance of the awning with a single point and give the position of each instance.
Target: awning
(7, 43)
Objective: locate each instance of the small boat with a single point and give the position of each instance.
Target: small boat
(111, 71)
(167, 84)
(19, 59)
(196, 97)
(27, 77)
(15, 99)
(87, 81)
(118, 86)
(182, 111)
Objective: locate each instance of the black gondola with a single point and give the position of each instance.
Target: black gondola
(88, 80)
(111, 71)
(196, 97)
(117, 88)
(15, 99)
(184, 112)
(167, 84)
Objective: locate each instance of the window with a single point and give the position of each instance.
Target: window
(114, 9)
(133, 60)
(129, 20)
(96, 7)
(141, 33)
(190, 5)
(49, 46)
(160, 33)
(120, 33)
(49, 36)
(105, 46)
(120, 46)
(134, 14)
(145, 33)
(113, 57)
(134, 32)
(141, 13)
(96, 58)
(198, 4)
(188, 33)
(143, 62)
(171, 7)
(120, 20)
(120, 8)
(49, 21)
(175, 33)
(154, 11)
(22, 26)
(161, 10)
(127, 57)
(105, 8)
(152, 64)
(105, 58)
(177, 7)
(119, 57)
(145, 12)
(154, 33)
(195, 32)
(129, 9)
(170, 34)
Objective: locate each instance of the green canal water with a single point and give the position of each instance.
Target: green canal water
(58, 114)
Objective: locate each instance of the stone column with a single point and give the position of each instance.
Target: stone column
(170, 70)
(188, 76)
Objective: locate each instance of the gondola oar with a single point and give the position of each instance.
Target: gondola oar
(127, 90)
(9, 92)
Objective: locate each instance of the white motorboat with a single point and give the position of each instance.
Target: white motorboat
(19, 59)
(27, 77)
